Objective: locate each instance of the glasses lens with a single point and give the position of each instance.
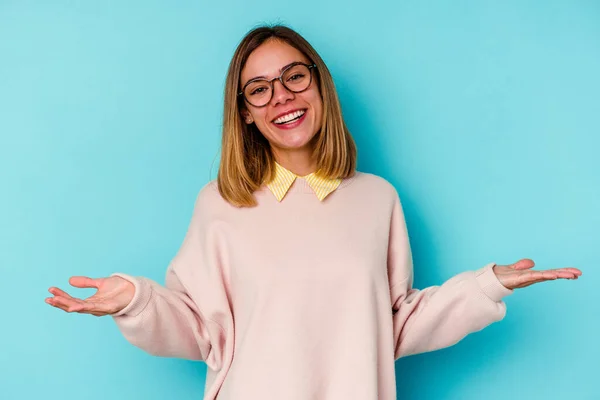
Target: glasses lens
(297, 78)
(258, 93)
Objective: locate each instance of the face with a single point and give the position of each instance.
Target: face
(307, 106)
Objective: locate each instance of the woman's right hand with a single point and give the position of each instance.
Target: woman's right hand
(114, 294)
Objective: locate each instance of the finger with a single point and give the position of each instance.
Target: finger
(542, 276)
(566, 273)
(68, 305)
(58, 292)
(59, 302)
(571, 269)
(525, 263)
(529, 283)
(53, 302)
(533, 276)
(536, 277)
(83, 282)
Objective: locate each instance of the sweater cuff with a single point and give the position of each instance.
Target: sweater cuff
(489, 283)
(141, 297)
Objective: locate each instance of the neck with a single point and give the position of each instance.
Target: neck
(300, 162)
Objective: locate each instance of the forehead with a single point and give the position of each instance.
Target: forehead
(269, 58)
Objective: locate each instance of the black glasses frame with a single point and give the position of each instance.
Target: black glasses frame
(279, 78)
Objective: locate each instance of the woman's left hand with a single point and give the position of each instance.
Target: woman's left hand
(520, 275)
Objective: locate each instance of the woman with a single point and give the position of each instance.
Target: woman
(294, 280)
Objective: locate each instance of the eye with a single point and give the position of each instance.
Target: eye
(296, 77)
(258, 90)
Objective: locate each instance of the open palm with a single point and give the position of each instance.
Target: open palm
(113, 294)
(520, 274)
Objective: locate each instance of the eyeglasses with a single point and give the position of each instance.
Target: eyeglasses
(296, 78)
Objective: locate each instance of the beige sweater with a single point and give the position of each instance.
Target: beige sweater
(303, 299)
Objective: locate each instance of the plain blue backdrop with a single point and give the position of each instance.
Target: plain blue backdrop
(483, 114)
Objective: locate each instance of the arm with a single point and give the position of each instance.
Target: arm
(438, 316)
(190, 317)
(165, 321)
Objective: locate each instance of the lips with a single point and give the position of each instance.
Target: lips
(289, 116)
(294, 120)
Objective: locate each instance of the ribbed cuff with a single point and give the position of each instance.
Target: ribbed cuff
(141, 297)
(489, 283)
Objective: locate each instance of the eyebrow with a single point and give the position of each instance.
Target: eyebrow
(264, 77)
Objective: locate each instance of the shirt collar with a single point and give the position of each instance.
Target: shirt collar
(284, 178)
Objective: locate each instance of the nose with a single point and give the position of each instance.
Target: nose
(280, 93)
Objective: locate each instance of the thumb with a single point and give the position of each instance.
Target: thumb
(525, 263)
(84, 282)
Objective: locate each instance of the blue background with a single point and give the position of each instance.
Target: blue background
(483, 114)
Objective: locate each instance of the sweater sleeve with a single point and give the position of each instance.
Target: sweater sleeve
(189, 317)
(439, 316)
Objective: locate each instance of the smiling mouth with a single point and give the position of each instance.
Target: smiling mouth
(289, 118)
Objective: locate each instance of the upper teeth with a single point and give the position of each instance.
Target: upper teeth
(289, 117)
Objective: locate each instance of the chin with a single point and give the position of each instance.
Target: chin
(294, 140)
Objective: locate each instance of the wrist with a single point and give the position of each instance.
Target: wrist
(490, 284)
(138, 292)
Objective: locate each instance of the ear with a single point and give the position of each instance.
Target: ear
(246, 116)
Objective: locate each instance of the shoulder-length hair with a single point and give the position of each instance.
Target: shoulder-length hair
(246, 158)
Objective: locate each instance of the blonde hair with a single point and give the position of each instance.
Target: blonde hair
(246, 158)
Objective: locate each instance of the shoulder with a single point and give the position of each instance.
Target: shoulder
(374, 185)
(209, 193)
(209, 202)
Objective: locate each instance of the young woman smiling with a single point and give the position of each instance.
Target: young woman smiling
(294, 280)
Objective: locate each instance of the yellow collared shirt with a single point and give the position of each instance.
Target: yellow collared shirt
(284, 178)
